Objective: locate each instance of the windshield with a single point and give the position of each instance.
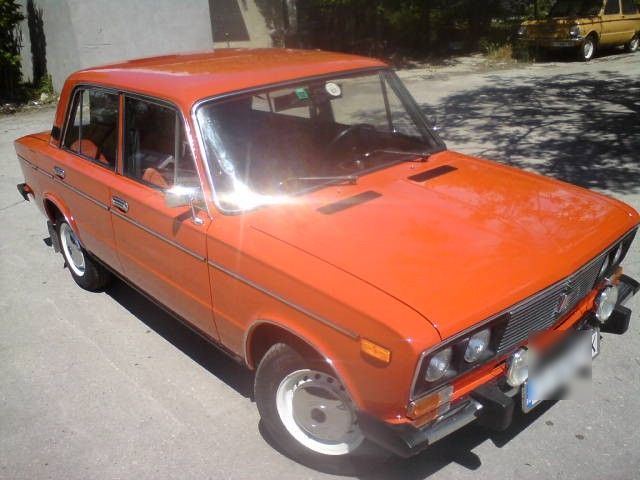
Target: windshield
(268, 145)
(576, 8)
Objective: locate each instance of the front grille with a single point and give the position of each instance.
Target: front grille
(543, 309)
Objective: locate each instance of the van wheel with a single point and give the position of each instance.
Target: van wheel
(86, 272)
(305, 408)
(587, 50)
(633, 44)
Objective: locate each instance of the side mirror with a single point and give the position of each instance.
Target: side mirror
(181, 196)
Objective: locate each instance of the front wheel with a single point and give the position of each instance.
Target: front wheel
(633, 44)
(587, 50)
(86, 272)
(305, 408)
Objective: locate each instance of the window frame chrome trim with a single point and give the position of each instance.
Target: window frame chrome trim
(202, 176)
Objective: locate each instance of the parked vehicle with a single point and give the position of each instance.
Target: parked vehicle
(585, 26)
(297, 209)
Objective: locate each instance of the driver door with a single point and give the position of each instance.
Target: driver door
(162, 249)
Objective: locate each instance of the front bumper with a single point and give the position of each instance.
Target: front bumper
(491, 405)
(552, 42)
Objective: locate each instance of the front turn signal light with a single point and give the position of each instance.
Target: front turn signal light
(431, 406)
(375, 351)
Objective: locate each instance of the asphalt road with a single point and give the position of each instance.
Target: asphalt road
(107, 386)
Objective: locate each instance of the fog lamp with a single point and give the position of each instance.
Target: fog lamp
(438, 365)
(518, 371)
(477, 345)
(606, 302)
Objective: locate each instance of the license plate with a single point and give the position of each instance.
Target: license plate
(562, 44)
(559, 372)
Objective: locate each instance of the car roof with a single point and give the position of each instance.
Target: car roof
(188, 77)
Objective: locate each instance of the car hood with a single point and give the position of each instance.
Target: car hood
(467, 239)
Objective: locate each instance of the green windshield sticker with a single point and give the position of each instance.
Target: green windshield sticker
(302, 93)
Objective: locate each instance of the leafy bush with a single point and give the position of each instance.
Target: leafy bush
(10, 64)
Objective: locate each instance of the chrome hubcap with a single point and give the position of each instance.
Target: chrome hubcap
(588, 49)
(72, 250)
(317, 411)
(634, 44)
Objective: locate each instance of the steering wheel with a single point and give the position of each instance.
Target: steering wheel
(342, 135)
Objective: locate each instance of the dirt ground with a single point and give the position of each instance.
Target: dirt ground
(108, 386)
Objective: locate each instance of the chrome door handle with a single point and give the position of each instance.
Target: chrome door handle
(120, 204)
(58, 172)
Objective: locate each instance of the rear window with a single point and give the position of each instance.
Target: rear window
(92, 130)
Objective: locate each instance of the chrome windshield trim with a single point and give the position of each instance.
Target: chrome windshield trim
(439, 145)
(496, 316)
(284, 300)
(158, 235)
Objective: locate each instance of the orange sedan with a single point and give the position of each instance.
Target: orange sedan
(296, 209)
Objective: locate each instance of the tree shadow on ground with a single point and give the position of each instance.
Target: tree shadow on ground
(573, 127)
(186, 340)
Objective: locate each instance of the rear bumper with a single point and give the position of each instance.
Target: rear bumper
(491, 405)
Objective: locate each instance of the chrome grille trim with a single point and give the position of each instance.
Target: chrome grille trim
(540, 311)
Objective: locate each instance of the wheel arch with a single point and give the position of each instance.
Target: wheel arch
(265, 333)
(55, 208)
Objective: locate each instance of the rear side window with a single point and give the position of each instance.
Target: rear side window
(92, 130)
(612, 7)
(156, 150)
(629, 7)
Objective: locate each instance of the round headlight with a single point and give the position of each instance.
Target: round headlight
(438, 365)
(477, 345)
(522, 31)
(618, 255)
(605, 266)
(518, 371)
(574, 32)
(606, 302)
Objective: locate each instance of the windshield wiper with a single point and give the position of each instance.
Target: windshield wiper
(330, 180)
(415, 156)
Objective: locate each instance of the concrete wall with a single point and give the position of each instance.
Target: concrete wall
(84, 33)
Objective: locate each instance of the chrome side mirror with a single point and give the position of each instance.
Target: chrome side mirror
(181, 196)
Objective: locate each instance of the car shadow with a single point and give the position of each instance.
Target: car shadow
(186, 340)
(580, 128)
(374, 464)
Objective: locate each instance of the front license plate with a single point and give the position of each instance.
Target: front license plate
(560, 371)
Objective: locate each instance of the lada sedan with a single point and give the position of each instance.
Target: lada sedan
(297, 209)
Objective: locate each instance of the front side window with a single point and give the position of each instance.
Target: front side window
(629, 7)
(274, 143)
(612, 7)
(156, 150)
(93, 127)
(572, 8)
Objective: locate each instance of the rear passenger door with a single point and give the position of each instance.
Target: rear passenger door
(162, 249)
(86, 166)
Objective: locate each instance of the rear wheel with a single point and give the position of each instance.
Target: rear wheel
(633, 44)
(305, 408)
(587, 50)
(86, 271)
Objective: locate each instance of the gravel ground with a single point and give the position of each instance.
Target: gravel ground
(108, 386)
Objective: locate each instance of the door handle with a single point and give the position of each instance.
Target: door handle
(58, 172)
(120, 204)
